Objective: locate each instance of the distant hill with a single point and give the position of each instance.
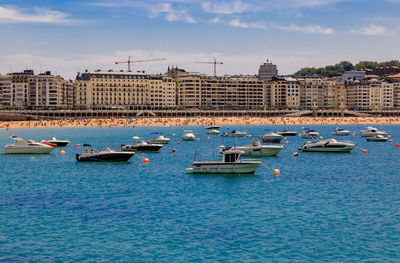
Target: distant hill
(340, 68)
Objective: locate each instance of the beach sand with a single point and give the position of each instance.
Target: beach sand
(197, 121)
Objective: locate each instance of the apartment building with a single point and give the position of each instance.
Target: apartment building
(123, 89)
(267, 71)
(204, 91)
(285, 93)
(25, 89)
(371, 95)
(396, 95)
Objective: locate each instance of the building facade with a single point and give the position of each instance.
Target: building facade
(267, 71)
(123, 89)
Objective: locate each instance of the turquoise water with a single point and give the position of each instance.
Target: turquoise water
(323, 207)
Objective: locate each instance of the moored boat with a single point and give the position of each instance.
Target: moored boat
(371, 131)
(234, 133)
(330, 145)
(257, 149)
(22, 146)
(271, 137)
(377, 138)
(141, 146)
(287, 133)
(107, 155)
(160, 140)
(309, 134)
(188, 135)
(341, 132)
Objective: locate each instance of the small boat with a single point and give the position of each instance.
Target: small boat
(309, 134)
(230, 164)
(234, 134)
(22, 146)
(271, 137)
(90, 154)
(257, 149)
(213, 132)
(188, 135)
(287, 133)
(160, 140)
(212, 127)
(141, 146)
(59, 143)
(330, 145)
(341, 132)
(371, 131)
(377, 138)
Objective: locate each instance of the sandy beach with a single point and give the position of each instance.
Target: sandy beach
(197, 121)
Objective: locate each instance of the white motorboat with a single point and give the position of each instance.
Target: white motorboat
(90, 154)
(330, 145)
(230, 164)
(59, 143)
(188, 136)
(377, 138)
(371, 131)
(213, 132)
(234, 134)
(257, 149)
(341, 132)
(141, 146)
(22, 146)
(287, 133)
(160, 140)
(309, 134)
(271, 137)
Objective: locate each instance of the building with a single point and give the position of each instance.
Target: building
(285, 93)
(25, 89)
(352, 75)
(124, 89)
(311, 93)
(396, 95)
(267, 71)
(220, 92)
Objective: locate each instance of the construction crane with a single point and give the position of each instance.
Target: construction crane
(215, 62)
(129, 61)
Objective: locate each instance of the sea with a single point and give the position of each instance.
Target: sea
(323, 207)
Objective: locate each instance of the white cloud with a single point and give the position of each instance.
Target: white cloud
(226, 8)
(215, 20)
(372, 30)
(9, 14)
(170, 13)
(238, 23)
(307, 29)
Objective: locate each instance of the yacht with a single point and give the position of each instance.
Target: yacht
(230, 164)
(90, 154)
(377, 138)
(212, 127)
(287, 133)
(160, 140)
(341, 132)
(22, 146)
(213, 132)
(271, 137)
(188, 136)
(371, 131)
(234, 134)
(330, 145)
(309, 134)
(59, 143)
(142, 146)
(257, 149)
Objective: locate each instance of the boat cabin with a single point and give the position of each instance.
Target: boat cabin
(231, 156)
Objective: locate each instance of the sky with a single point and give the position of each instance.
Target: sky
(70, 36)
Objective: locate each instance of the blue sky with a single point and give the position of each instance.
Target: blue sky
(70, 36)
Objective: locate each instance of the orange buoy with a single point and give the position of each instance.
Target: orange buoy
(285, 138)
(198, 139)
(174, 150)
(178, 143)
(62, 152)
(364, 151)
(321, 137)
(295, 154)
(145, 160)
(208, 138)
(286, 142)
(78, 145)
(390, 140)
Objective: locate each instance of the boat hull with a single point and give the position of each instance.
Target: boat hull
(346, 149)
(288, 133)
(60, 143)
(159, 141)
(141, 148)
(371, 139)
(105, 157)
(225, 168)
(188, 139)
(368, 134)
(10, 149)
(278, 140)
(340, 133)
(261, 151)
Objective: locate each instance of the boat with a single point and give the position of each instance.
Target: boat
(188, 135)
(330, 145)
(371, 131)
(230, 164)
(271, 137)
(212, 127)
(141, 146)
(341, 132)
(257, 149)
(287, 133)
(377, 138)
(160, 140)
(59, 143)
(22, 146)
(309, 134)
(234, 134)
(90, 154)
(213, 132)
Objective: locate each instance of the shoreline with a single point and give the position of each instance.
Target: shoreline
(197, 121)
